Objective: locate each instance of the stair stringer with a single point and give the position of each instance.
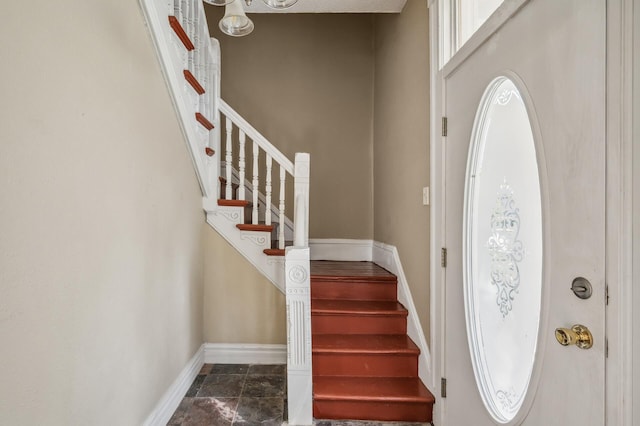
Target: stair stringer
(387, 256)
(249, 243)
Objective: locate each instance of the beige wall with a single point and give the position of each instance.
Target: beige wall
(401, 143)
(101, 254)
(306, 83)
(241, 305)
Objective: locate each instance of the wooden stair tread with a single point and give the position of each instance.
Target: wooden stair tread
(382, 389)
(234, 203)
(364, 343)
(251, 227)
(200, 118)
(181, 33)
(274, 252)
(349, 271)
(358, 307)
(193, 81)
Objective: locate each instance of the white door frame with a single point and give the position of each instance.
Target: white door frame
(619, 175)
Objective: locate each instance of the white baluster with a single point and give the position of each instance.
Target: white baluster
(254, 184)
(178, 11)
(241, 165)
(229, 159)
(283, 176)
(184, 14)
(268, 189)
(196, 42)
(204, 99)
(189, 29)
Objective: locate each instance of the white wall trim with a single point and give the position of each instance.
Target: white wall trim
(244, 353)
(168, 403)
(437, 41)
(619, 224)
(387, 256)
(341, 249)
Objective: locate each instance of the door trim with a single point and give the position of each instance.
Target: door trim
(619, 236)
(619, 214)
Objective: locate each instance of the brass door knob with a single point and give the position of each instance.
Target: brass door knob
(578, 335)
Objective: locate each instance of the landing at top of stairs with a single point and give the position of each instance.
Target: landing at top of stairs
(349, 271)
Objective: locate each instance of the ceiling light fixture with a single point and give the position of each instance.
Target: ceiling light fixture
(235, 22)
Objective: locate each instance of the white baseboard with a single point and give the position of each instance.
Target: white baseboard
(341, 249)
(230, 353)
(387, 256)
(212, 353)
(167, 405)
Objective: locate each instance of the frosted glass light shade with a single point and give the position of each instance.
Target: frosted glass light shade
(280, 4)
(218, 2)
(235, 22)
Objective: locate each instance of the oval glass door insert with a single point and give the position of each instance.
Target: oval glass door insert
(502, 250)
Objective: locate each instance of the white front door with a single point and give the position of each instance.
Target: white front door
(525, 217)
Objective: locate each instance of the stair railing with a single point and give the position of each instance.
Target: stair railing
(297, 258)
(190, 60)
(245, 145)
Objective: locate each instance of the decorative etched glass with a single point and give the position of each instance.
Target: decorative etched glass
(502, 250)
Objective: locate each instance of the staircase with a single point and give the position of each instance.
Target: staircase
(365, 367)
(364, 364)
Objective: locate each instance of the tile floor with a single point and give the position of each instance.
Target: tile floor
(242, 394)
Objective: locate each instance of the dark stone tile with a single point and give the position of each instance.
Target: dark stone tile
(206, 369)
(221, 385)
(211, 411)
(268, 369)
(195, 386)
(264, 386)
(180, 413)
(259, 411)
(363, 423)
(346, 423)
(229, 369)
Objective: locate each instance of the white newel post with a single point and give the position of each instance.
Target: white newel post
(298, 293)
(299, 372)
(301, 200)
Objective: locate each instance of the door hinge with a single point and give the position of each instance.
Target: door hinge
(606, 348)
(444, 126)
(443, 387)
(443, 257)
(606, 295)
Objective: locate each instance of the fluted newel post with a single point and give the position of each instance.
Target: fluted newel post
(241, 164)
(301, 200)
(229, 159)
(299, 368)
(298, 293)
